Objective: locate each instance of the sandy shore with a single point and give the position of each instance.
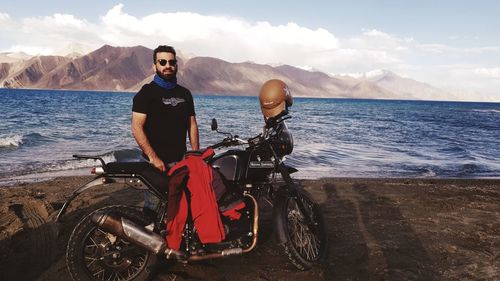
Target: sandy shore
(379, 229)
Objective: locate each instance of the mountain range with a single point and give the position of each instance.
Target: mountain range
(128, 68)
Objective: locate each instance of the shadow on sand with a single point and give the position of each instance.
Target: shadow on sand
(370, 239)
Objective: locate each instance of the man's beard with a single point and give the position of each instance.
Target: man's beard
(167, 76)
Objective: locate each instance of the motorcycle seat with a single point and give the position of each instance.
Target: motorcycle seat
(147, 171)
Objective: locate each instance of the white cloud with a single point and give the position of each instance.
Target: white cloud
(57, 23)
(224, 37)
(31, 50)
(488, 72)
(434, 48)
(305, 67)
(4, 18)
(369, 50)
(6, 25)
(59, 30)
(444, 49)
(378, 40)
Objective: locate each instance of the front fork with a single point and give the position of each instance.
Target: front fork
(293, 191)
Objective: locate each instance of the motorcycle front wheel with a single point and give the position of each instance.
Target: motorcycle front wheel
(93, 254)
(304, 243)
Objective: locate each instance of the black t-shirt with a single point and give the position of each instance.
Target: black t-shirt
(167, 120)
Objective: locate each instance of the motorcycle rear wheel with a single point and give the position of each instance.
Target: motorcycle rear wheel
(93, 254)
(305, 244)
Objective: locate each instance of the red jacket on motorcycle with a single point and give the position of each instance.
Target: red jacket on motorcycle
(203, 202)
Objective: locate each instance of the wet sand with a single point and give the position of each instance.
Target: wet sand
(378, 229)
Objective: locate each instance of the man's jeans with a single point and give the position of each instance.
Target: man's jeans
(151, 202)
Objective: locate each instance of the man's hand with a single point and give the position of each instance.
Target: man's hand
(155, 161)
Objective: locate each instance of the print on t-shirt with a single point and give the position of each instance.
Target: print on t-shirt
(172, 101)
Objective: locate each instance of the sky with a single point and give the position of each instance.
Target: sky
(453, 45)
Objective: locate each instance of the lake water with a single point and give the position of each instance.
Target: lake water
(40, 130)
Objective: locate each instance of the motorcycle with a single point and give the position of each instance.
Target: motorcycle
(119, 242)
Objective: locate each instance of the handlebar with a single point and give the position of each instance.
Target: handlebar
(257, 140)
(230, 141)
(234, 141)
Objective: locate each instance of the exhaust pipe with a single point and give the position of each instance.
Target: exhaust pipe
(134, 233)
(152, 242)
(224, 253)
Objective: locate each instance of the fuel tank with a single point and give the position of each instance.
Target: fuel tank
(244, 165)
(231, 164)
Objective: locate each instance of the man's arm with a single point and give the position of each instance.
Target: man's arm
(138, 121)
(193, 133)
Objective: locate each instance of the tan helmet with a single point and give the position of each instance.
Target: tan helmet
(274, 97)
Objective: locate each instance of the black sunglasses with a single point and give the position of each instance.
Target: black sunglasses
(164, 62)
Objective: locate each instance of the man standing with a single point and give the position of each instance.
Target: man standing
(163, 113)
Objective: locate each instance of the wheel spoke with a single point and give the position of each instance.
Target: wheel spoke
(133, 259)
(303, 237)
(92, 260)
(119, 276)
(98, 272)
(93, 242)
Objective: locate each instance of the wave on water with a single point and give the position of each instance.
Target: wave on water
(122, 155)
(74, 164)
(426, 172)
(11, 141)
(68, 167)
(31, 139)
(487, 110)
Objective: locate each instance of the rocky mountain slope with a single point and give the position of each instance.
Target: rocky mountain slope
(128, 68)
